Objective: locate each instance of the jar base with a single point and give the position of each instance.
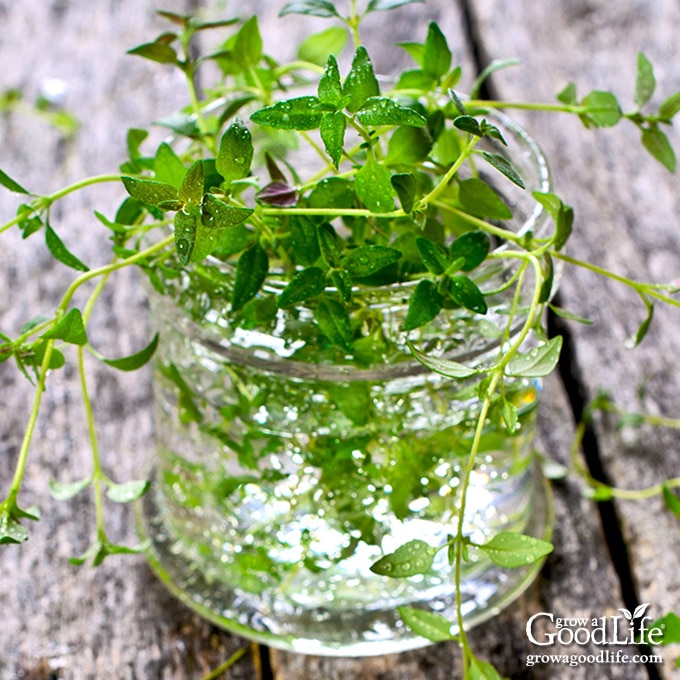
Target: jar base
(367, 631)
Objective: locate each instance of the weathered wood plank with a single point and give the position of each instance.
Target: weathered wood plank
(117, 621)
(626, 207)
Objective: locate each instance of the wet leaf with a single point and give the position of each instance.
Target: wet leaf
(150, 191)
(412, 558)
(332, 132)
(473, 247)
(305, 284)
(424, 305)
(330, 85)
(366, 260)
(427, 624)
(434, 257)
(373, 185)
(361, 82)
(511, 550)
(185, 236)
(536, 363)
(334, 322)
(299, 113)
(251, 272)
(466, 293)
(216, 214)
(445, 367)
(235, 153)
(385, 111)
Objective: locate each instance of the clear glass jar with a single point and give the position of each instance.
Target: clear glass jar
(281, 475)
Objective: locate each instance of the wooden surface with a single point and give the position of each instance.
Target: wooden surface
(117, 622)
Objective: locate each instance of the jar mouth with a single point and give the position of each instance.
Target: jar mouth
(456, 335)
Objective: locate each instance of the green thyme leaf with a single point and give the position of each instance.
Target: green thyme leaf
(373, 185)
(424, 305)
(602, 109)
(305, 284)
(7, 182)
(159, 51)
(342, 280)
(191, 188)
(538, 362)
(405, 185)
(481, 200)
(150, 191)
(468, 124)
(385, 111)
(503, 166)
(361, 83)
(251, 272)
(656, 142)
(328, 245)
(412, 558)
(645, 83)
(136, 360)
(643, 328)
(466, 293)
(334, 322)
(670, 499)
(473, 247)
(408, 145)
(445, 367)
(63, 491)
(437, 55)
(315, 8)
(248, 43)
(332, 132)
(168, 168)
(482, 670)
(511, 550)
(235, 152)
(330, 85)
(427, 624)
(60, 252)
(317, 47)
(670, 107)
(434, 257)
(128, 491)
(382, 5)
(185, 235)
(70, 328)
(216, 214)
(299, 113)
(366, 260)
(568, 95)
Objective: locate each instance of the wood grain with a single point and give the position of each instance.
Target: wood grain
(118, 622)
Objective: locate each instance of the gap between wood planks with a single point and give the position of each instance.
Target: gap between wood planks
(570, 373)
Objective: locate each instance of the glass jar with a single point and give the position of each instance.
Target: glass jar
(282, 472)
